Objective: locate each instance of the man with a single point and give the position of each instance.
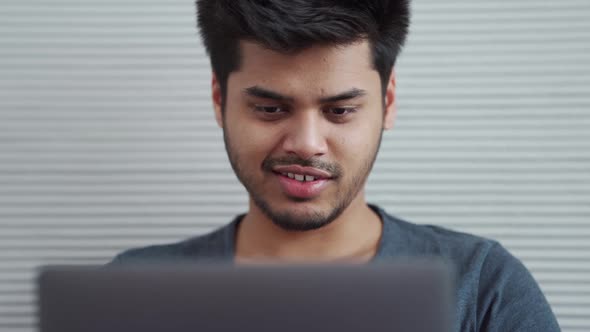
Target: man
(303, 90)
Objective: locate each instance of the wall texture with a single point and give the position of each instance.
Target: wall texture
(107, 136)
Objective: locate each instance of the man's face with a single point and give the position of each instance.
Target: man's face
(302, 131)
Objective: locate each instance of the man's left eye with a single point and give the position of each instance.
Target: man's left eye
(341, 111)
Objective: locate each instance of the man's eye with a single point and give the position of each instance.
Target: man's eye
(341, 111)
(269, 109)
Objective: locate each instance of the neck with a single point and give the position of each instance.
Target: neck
(352, 237)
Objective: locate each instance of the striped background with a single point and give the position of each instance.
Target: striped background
(108, 141)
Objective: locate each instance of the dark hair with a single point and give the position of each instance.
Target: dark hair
(289, 26)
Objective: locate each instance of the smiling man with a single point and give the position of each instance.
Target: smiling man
(302, 131)
(303, 90)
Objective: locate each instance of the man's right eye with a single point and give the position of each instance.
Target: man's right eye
(269, 109)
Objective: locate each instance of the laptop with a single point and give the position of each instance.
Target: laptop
(403, 297)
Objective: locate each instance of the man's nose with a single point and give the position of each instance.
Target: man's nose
(306, 136)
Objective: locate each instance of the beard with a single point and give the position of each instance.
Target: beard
(310, 220)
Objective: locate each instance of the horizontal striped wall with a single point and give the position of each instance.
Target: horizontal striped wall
(108, 141)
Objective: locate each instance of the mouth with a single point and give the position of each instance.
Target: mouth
(300, 173)
(300, 177)
(302, 185)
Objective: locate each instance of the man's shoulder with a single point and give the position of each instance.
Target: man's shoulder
(470, 255)
(490, 281)
(212, 246)
(403, 238)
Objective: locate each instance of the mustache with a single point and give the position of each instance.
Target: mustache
(334, 169)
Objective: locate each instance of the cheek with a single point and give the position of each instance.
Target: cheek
(250, 141)
(355, 152)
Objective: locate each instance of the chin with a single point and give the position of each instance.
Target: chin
(302, 216)
(297, 224)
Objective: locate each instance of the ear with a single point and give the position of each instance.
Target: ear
(217, 100)
(390, 109)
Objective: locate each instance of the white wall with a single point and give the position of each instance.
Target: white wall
(107, 137)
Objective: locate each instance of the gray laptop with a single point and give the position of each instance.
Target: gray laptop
(403, 297)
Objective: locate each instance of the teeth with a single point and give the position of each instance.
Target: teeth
(300, 177)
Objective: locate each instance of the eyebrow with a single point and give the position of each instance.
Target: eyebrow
(256, 91)
(346, 95)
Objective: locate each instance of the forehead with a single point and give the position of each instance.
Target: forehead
(321, 69)
(358, 53)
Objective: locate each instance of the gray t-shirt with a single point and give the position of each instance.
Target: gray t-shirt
(495, 292)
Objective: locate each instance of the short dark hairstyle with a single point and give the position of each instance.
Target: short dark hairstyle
(290, 26)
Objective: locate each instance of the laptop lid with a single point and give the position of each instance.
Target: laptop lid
(408, 297)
